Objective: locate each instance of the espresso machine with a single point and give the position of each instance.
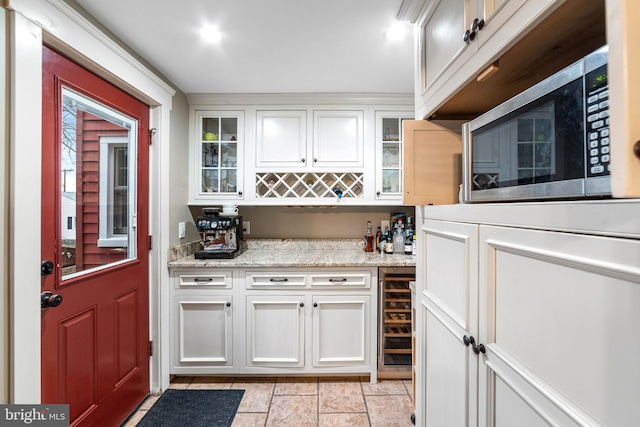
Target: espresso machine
(221, 235)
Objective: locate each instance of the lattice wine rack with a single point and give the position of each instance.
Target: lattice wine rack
(299, 185)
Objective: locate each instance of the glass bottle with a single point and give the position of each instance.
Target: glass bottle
(398, 238)
(369, 238)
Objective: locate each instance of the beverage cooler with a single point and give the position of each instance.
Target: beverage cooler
(395, 341)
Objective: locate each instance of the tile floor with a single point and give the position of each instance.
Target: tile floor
(301, 402)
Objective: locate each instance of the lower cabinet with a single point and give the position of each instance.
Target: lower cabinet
(275, 331)
(527, 327)
(283, 322)
(308, 331)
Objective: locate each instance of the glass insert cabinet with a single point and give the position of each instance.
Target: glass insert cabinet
(389, 158)
(217, 155)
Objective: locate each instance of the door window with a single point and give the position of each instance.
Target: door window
(98, 185)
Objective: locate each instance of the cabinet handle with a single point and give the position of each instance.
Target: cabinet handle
(301, 304)
(200, 280)
(228, 304)
(303, 160)
(468, 340)
(332, 280)
(636, 149)
(278, 280)
(477, 349)
(477, 24)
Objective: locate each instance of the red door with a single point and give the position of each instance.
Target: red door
(95, 321)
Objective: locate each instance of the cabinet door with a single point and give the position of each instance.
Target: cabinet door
(217, 155)
(389, 154)
(275, 331)
(203, 331)
(559, 321)
(432, 163)
(441, 39)
(448, 296)
(281, 139)
(338, 138)
(624, 88)
(341, 330)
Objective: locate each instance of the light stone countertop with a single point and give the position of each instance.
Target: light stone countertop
(302, 253)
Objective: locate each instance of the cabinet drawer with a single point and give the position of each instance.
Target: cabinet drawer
(276, 280)
(218, 279)
(346, 280)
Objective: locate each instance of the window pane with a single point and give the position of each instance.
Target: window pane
(97, 178)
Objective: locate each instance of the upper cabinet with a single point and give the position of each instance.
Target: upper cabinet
(623, 36)
(336, 141)
(338, 138)
(390, 154)
(298, 149)
(216, 154)
(459, 39)
(281, 139)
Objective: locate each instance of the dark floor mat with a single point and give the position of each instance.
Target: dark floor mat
(193, 408)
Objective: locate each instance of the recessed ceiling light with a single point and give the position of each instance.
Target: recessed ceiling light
(397, 31)
(210, 34)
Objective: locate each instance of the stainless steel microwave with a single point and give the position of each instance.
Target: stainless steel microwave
(548, 142)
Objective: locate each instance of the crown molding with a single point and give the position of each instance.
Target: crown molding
(300, 98)
(410, 10)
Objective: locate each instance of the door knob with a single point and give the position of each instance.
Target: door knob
(46, 267)
(49, 299)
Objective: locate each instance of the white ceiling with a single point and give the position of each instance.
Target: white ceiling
(268, 46)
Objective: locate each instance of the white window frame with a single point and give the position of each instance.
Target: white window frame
(106, 238)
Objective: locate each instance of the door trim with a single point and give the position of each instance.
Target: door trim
(73, 35)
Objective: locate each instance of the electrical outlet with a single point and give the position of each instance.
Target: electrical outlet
(246, 227)
(182, 231)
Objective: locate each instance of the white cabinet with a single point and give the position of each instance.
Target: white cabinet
(281, 139)
(202, 320)
(458, 39)
(216, 155)
(275, 330)
(338, 138)
(311, 321)
(448, 312)
(390, 154)
(552, 315)
(273, 321)
(341, 330)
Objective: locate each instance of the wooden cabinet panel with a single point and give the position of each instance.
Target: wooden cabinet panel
(432, 163)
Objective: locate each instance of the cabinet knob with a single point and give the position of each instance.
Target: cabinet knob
(477, 24)
(378, 193)
(228, 304)
(472, 36)
(315, 304)
(303, 160)
(636, 149)
(301, 304)
(477, 349)
(468, 340)
(315, 160)
(467, 35)
(239, 193)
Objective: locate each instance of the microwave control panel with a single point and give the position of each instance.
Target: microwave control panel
(597, 123)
